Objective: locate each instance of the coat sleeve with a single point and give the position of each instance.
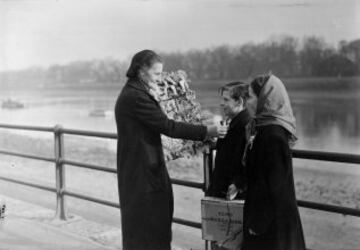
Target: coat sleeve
(217, 184)
(238, 169)
(274, 172)
(148, 112)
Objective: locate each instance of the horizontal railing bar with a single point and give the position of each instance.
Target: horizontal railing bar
(301, 203)
(187, 183)
(50, 189)
(326, 156)
(88, 133)
(329, 208)
(116, 205)
(111, 170)
(89, 198)
(187, 223)
(24, 127)
(89, 166)
(322, 156)
(34, 157)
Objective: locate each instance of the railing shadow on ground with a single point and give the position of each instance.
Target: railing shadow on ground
(60, 161)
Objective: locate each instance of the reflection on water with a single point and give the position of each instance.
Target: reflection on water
(325, 123)
(328, 124)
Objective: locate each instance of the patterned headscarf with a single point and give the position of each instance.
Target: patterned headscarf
(273, 106)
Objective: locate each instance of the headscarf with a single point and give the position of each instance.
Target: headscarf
(273, 106)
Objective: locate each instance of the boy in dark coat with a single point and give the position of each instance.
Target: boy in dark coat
(229, 175)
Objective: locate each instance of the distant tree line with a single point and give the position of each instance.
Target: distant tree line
(284, 56)
(100, 71)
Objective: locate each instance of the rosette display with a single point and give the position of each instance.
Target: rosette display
(179, 103)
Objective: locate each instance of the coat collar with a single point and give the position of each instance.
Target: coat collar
(240, 120)
(139, 85)
(136, 84)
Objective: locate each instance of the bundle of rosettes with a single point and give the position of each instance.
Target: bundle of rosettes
(179, 103)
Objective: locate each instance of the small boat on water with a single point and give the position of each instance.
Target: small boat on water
(2, 211)
(12, 104)
(100, 113)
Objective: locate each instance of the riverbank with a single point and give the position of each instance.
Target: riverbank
(336, 184)
(332, 183)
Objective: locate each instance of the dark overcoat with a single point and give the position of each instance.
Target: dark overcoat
(270, 207)
(145, 191)
(229, 167)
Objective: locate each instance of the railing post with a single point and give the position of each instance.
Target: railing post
(207, 163)
(208, 167)
(207, 171)
(59, 174)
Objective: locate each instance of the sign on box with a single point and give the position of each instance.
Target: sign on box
(222, 221)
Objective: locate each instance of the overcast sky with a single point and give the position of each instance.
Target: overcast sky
(44, 32)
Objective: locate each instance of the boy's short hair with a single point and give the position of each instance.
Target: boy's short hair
(236, 90)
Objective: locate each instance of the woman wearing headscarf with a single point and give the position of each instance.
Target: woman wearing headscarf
(271, 216)
(145, 191)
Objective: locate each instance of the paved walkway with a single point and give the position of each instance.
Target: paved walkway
(19, 233)
(32, 227)
(29, 227)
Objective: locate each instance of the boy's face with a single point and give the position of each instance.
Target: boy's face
(229, 106)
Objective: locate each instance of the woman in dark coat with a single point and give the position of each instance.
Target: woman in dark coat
(271, 216)
(145, 191)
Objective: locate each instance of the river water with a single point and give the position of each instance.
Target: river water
(326, 120)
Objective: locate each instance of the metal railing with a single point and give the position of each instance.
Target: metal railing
(320, 156)
(60, 161)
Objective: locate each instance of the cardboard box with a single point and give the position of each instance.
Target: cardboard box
(222, 221)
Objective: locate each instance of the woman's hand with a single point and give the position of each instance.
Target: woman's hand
(217, 130)
(251, 232)
(232, 192)
(212, 131)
